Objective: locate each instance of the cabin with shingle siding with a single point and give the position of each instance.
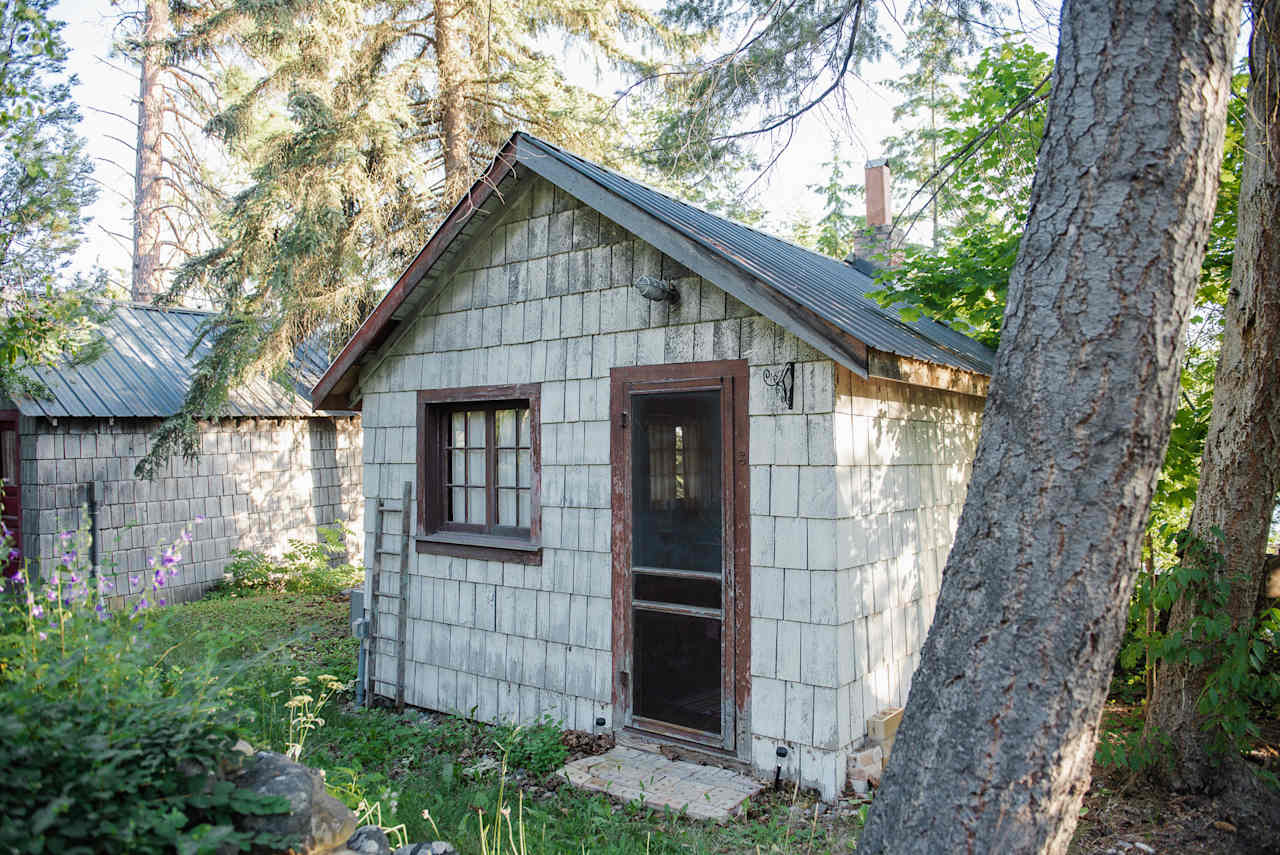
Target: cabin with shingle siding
(270, 470)
(671, 478)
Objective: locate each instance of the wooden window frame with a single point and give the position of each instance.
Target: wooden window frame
(437, 536)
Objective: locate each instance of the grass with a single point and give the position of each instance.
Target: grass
(411, 763)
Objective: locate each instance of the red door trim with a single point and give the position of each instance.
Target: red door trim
(731, 377)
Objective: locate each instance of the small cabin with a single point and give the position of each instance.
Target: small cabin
(268, 471)
(670, 477)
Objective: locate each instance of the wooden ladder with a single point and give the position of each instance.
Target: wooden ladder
(404, 510)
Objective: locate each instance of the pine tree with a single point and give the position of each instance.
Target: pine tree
(934, 50)
(362, 127)
(44, 188)
(45, 177)
(174, 185)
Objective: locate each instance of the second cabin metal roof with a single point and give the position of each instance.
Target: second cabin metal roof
(147, 368)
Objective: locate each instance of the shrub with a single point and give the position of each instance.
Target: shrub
(105, 746)
(538, 749)
(307, 567)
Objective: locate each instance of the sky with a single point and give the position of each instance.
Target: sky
(107, 92)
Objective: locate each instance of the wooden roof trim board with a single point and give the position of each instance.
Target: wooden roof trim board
(339, 386)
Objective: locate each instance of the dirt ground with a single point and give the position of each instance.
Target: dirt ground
(1124, 815)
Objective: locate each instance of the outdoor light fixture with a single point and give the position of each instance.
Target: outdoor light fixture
(657, 290)
(784, 381)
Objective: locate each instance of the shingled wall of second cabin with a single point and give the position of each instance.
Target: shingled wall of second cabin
(256, 484)
(835, 517)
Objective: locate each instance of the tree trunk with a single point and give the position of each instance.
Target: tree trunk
(1002, 717)
(451, 75)
(149, 162)
(1240, 470)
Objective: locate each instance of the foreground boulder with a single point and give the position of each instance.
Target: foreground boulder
(318, 823)
(316, 820)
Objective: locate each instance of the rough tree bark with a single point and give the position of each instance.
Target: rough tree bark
(1240, 470)
(451, 71)
(1001, 721)
(149, 161)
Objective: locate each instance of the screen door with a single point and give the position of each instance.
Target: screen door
(675, 582)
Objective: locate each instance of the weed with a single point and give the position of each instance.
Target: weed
(306, 567)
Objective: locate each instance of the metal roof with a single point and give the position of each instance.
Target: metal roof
(834, 289)
(822, 300)
(148, 366)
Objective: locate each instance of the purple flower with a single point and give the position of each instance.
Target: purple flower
(106, 585)
(159, 582)
(186, 535)
(170, 558)
(43, 637)
(151, 561)
(160, 602)
(74, 578)
(38, 611)
(134, 580)
(16, 575)
(66, 535)
(68, 557)
(15, 554)
(199, 517)
(50, 594)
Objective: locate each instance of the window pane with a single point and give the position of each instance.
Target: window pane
(459, 432)
(506, 468)
(505, 421)
(525, 438)
(457, 505)
(475, 429)
(475, 468)
(525, 509)
(507, 507)
(526, 469)
(475, 506)
(676, 480)
(458, 473)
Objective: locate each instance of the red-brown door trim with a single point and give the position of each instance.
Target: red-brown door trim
(12, 497)
(731, 377)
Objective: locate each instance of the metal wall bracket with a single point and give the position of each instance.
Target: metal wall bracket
(785, 382)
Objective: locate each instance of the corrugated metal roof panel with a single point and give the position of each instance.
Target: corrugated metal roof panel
(147, 368)
(833, 289)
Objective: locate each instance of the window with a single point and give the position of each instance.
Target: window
(478, 472)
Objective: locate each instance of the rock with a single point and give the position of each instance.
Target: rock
(235, 759)
(316, 821)
(438, 847)
(369, 840)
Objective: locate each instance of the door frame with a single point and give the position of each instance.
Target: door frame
(730, 377)
(13, 492)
